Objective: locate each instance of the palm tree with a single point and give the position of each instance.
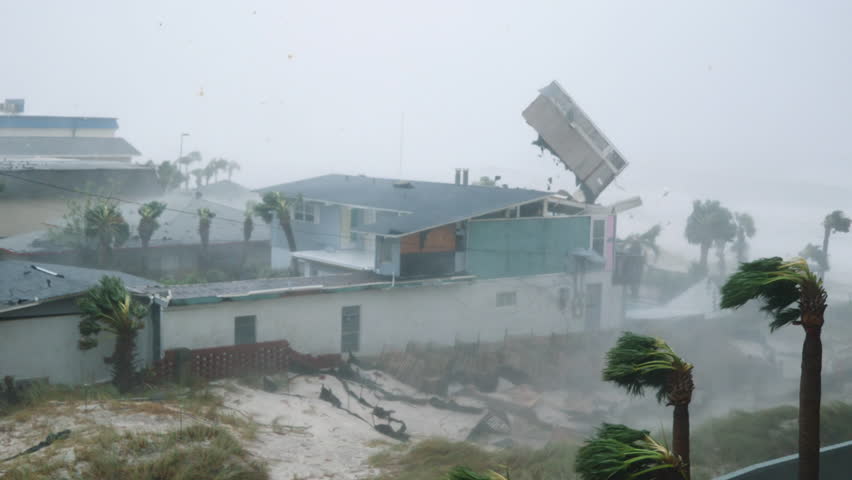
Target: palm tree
(814, 254)
(187, 160)
(209, 171)
(169, 176)
(274, 205)
(790, 293)
(231, 168)
(248, 228)
(105, 225)
(205, 217)
(836, 221)
(637, 362)
(109, 307)
(745, 230)
(198, 173)
(638, 246)
(710, 224)
(148, 214)
(617, 452)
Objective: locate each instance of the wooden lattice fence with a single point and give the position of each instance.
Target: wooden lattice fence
(239, 360)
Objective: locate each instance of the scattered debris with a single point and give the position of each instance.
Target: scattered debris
(44, 443)
(329, 396)
(269, 385)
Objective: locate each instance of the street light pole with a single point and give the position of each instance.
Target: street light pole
(181, 144)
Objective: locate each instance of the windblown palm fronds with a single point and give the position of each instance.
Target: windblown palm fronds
(617, 452)
(464, 473)
(778, 285)
(637, 362)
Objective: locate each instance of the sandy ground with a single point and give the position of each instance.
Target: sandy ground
(300, 436)
(313, 439)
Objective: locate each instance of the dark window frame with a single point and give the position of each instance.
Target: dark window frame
(350, 328)
(241, 323)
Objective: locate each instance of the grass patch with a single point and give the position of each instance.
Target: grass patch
(434, 458)
(198, 451)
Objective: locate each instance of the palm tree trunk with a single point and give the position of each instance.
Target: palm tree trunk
(705, 249)
(123, 370)
(291, 244)
(823, 266)
(680, 435)
(810, 393)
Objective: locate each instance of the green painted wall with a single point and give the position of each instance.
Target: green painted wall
(524, 246)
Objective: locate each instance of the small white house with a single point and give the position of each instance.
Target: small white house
(39, 318)
(365, 313)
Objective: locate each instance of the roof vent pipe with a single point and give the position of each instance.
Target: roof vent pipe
(464, 173)
(458, 176)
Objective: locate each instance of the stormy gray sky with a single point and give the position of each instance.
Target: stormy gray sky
(745, 101)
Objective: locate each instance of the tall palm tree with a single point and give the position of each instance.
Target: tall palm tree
(709, 224)
(109, 307)
(148, 215)
(198, 173)
(105, 225)
(814, 254)
(209, 171)
(169, 176)
(232, 167)
(274, 205)
(637, 362)
(791, 294)
(187, 160)
(617, 452)
(745, 230)
(248, 228)
(638, 246)
(205, 217)
(836, 221)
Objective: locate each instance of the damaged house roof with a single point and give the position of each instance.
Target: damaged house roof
(24, 283)
(420, 205)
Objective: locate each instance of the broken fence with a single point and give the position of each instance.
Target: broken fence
(239, 360)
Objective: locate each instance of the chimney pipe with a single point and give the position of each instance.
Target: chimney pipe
(458, 176)
(464, 172)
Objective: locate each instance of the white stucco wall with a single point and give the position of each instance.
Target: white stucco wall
(393, 317)
(47, 347)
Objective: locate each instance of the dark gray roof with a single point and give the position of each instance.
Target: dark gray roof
(64, 164)
(21, 283)
(424, 205)
(66, 147)
(243, 287)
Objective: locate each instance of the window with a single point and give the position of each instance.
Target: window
(244, 330)
(598, 236)
(306, 212)
(506, 299)
(350, 329)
